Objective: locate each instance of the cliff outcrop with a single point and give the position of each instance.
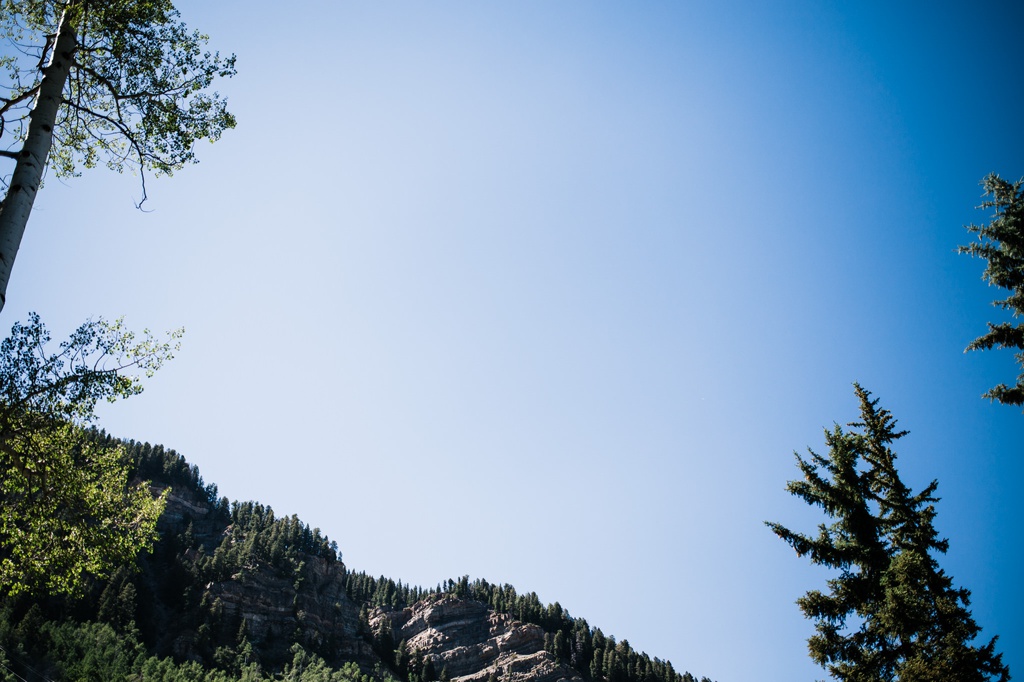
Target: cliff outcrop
(252, 585)
(472, 643)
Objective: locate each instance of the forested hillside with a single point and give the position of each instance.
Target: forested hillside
(232, 591)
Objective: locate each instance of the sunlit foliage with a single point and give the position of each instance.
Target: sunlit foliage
(68, 510)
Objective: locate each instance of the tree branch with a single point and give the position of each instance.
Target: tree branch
(8, 103)
(50, 40)
(117, 96)
(127, 133)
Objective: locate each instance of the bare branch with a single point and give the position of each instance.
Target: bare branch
(28, 94)
(142, 181)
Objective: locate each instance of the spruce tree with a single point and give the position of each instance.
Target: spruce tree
(891, 613)
(1001, 243)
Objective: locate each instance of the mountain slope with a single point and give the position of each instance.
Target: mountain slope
(236, 592)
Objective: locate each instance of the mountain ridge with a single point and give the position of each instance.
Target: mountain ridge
(232, 587)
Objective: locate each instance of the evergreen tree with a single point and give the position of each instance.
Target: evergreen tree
(429, 671)
(1001, 243)
(891, 613)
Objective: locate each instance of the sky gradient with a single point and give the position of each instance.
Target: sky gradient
(549, 293)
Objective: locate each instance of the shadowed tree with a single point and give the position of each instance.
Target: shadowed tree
(891, 613)
(118, 81)
(1001, 243)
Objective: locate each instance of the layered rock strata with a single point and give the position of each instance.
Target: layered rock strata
(473, 643)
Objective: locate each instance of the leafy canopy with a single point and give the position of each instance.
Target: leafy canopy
(137, 95)
(890, 613)
(1001, 243)
(67, 508)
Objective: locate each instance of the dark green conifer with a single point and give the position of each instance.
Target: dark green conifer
(402, 658)
(891, 613)
(558, 646)
(1001, 243)
(429, 672)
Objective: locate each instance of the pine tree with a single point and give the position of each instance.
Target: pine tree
(1001, 243)
(429, 672)
(892, 613)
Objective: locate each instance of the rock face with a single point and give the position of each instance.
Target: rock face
(472, 642)
(275, 608)
(308, 605)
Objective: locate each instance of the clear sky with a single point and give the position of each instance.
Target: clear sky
(549, 292)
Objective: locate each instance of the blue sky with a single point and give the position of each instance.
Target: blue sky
(549, 293)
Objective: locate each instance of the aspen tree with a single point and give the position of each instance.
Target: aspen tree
(68, 511)
(122, 82)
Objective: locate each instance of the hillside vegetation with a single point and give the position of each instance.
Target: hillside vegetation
(231, 591)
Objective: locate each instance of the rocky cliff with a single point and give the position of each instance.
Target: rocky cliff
(471, 643)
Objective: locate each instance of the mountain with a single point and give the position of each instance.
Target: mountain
(233, 592)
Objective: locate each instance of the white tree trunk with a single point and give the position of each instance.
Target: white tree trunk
(28, 171)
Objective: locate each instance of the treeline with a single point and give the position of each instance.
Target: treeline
(256, 539)
(158, 464)
(267, 538)
(572, 641)
(37, 649)
(252, 534)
